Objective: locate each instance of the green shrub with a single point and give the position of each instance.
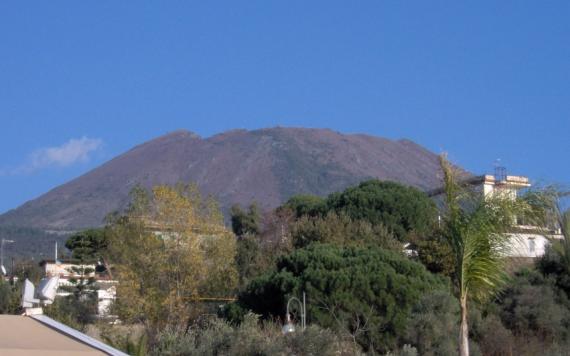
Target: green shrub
(433, 326)
(217, 337)
(532, 306)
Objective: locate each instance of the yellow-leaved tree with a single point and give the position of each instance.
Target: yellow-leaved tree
(169, 251)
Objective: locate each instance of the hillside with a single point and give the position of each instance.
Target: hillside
(239, 166)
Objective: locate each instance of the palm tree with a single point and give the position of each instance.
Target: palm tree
(562, 247)
(565, 227)
(551, 200)
(475, 227)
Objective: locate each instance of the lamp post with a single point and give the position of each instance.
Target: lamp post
(2, 254)
(289, 327)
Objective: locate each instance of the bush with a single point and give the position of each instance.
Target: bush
(433, 325)
(217, 337)
(494, 338)
(73, 312)
(533, 307)
(553, 265)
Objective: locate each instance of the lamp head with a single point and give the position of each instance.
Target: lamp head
(289, 327)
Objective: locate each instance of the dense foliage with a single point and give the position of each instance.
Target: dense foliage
(401, 209)
(245, 222)
(216, 337)
(9, 297)
(341, 230)
(87, 245)
(366, 292)
(170, 250)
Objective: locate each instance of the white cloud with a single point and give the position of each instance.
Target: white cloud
(76, 150)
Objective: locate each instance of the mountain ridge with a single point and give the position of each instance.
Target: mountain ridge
(238, 166)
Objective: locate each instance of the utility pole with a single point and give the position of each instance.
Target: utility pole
(4, 241)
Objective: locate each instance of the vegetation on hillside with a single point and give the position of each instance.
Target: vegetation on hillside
(171, 253)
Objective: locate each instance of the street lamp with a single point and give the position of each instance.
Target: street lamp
(289, 327)
(2, 254)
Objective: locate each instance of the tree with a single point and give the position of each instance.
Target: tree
(248, 258)
(90, 246)
(475, 228)
(366, 292)
(245, 222)
(341, 230)
(436, 254)
(87, 245)
(556, 261)
(169, 251)
(400, 209)
(9, 297)
(303, 205)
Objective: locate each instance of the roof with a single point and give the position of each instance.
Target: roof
(40, 335)
(512, 181)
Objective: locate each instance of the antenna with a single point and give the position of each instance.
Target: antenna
(4, 241)
(500, 171)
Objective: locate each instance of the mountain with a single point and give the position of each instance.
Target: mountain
(238, 166)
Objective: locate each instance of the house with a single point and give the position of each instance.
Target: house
(70, 271)
(526, 241)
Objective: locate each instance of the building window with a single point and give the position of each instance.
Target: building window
(531, 246)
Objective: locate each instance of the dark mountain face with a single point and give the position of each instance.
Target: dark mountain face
(266, 166)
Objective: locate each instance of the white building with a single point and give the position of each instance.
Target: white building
(106, 288)
(527, 241)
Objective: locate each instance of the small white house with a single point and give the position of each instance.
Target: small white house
(106, 288)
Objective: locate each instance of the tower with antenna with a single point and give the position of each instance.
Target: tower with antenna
(500, 172)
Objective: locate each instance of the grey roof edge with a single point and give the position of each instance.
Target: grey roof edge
(79, 336)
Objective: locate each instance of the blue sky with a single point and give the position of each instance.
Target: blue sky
(81, 82)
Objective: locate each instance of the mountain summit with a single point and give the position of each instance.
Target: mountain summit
(239, 166)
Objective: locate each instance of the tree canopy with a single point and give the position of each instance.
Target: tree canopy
(245, 221)
(340, 229)
(399, 208)
(170, 249)
(87, 245)
(367, 292)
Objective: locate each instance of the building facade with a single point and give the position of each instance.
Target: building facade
(526, 241)
(70, 272)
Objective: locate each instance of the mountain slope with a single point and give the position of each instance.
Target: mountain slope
(239, 166)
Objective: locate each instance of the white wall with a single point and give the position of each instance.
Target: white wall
(528, 244)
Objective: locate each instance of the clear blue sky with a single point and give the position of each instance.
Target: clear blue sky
(81, 82)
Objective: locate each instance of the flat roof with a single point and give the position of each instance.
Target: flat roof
(23, 335)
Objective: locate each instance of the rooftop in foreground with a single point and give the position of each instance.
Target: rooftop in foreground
(22, 335)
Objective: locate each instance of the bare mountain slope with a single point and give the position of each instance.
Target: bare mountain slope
(267, 165)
